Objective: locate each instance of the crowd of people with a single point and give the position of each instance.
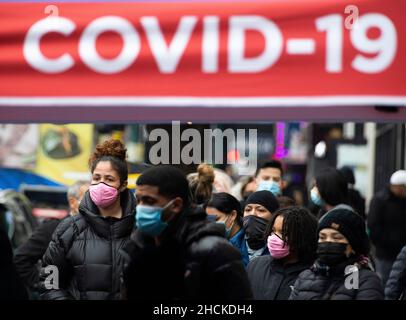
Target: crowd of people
(193, 237)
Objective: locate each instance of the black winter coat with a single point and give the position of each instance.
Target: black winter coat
(271, 280)
(194, 261)
(357, 202)
(11, 286)
(396, 284)
(28, 255)
(387, 224)
(86, 250)
(323, 283)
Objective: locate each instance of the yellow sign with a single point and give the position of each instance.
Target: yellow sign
(132, 179)
(64, 152)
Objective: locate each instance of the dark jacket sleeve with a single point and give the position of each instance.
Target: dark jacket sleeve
(55, 255)
(375, 221)
(396, 283)
(251, 272)
(298, 286)
(11, 286)
(370, 286)
(28, 254)
(255, 271)
(225, 269)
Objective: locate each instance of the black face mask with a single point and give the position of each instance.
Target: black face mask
(332, 253)
(255, 228)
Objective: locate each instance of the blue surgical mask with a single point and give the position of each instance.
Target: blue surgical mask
(149, 219)
(271, 186)
(228, 230)
(315, 197)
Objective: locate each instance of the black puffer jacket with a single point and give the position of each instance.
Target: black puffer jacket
(86, 250)
(322, 283)
(271, 280)
(396, 285)
(357, 201)
(194, 261)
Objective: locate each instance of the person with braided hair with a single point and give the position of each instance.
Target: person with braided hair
(86, 248)
(292, 242)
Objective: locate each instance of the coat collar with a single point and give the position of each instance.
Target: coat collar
(278, 266)
(109, 227)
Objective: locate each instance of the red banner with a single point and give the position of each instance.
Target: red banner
(244, 54)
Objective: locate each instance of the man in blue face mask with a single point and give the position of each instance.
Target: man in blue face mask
(152, 216)
(269, 177)
(172, 239)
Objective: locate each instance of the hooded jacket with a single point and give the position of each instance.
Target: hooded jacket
(86, 250)
(194, 261)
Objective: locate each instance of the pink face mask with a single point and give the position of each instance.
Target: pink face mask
(277, 247)
(102, 194)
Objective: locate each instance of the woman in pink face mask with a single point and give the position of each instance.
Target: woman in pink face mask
(86, 248)
(107, 185)
(292, 242)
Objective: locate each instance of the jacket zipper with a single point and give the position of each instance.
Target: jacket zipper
(112, 260)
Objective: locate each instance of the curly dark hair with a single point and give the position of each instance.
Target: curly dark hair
(115, 152)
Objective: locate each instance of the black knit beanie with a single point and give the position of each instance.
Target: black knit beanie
(350, 224)
(264, 198)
